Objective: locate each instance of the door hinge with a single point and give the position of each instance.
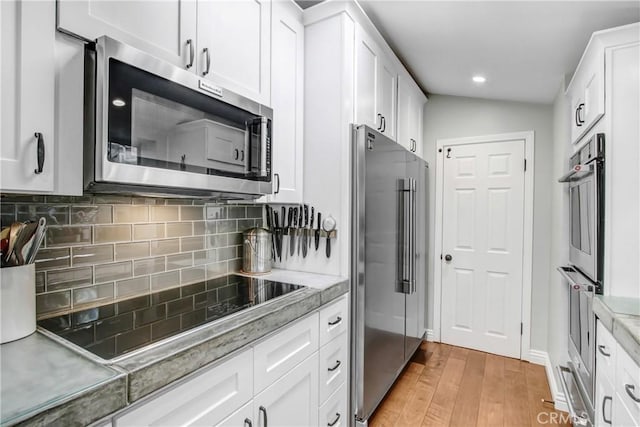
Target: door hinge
(525, 165)
(521, 328)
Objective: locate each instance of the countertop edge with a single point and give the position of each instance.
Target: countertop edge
(614, 322)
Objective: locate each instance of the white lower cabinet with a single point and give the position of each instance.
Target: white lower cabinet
(285, 379)
(292, 400)
(617, 401)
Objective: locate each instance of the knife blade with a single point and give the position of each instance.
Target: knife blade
(300, 230)
(304, 231)
(310, 226)
(293, 216)
(317, 236)
(278, 232)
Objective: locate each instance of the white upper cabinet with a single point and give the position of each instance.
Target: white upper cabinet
(27, 81)
(586, 92)
(287, 101)
(376, 85)
(163, 28)
(411, 102)
(234, 45)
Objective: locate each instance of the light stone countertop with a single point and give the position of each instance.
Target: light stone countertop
(621, 316)
(134, 376)
(38, 374)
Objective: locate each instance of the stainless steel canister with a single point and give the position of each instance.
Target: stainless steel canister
(257, 251)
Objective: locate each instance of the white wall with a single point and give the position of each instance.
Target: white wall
(453, 117)
(558, 326)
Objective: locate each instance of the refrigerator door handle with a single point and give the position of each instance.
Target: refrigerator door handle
(405, 262)
(412, 234)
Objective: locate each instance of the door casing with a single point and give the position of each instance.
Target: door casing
(527, 253)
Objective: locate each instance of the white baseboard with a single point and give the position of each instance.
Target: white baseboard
(542, 358)
(430, 335)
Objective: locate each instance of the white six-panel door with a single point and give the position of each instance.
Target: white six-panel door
(483, 230)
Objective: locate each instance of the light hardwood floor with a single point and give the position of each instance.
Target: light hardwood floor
(445, 385)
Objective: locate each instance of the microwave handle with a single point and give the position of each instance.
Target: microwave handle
(264, 142)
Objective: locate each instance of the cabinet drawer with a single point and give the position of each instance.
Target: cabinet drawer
(605, 352)
(333, 365)
(621, 415)
(205, 398)
(280, 353)
(627, 383)
(334, 411)
(334, 319)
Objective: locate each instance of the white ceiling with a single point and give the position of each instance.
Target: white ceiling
(523, 48)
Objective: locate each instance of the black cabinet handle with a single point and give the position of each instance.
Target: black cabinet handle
(630, 389)
(263, 410)
(336, 366)
(247, 422)
(576, 117)
(242, 155)
(335, 421)
(191, 53)
(602, 352)
(335, 322)
(604, 402)
(208, 57)
(236, 154)
(380, 118)
(276, 177)
(40, 151)
(384, 124)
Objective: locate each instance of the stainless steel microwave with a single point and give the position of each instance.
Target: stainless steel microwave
(152, 128)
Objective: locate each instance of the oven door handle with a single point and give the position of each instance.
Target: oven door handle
(587, 287)
(578, 172)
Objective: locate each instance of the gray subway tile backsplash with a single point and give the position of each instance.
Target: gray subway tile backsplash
(100, 249)
(132, 250)
(164, 213)
(90, 255)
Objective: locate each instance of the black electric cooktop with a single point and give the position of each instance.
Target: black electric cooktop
(112, 330)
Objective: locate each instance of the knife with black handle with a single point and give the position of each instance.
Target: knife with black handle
(293, 218)
(271, 228)
(317, 235)
(278, 234)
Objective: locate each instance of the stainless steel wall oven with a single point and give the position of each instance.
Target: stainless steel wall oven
(584, 274)
(152, 127)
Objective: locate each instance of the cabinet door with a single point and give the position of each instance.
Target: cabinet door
(367, 69)
(387, 96)
(605, 395)
(333, 366)
(406, 119)
(234, 43)
(287, 85)
(292, 400)
(27, 81)
(416, 120)
(164, 28)
(593, 84)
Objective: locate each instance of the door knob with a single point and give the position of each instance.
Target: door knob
(448, 257)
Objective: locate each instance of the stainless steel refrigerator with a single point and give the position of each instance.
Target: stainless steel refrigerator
(388, 265)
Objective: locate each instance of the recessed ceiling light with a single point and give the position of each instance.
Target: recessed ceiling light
(118, 102)
(478, 79)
